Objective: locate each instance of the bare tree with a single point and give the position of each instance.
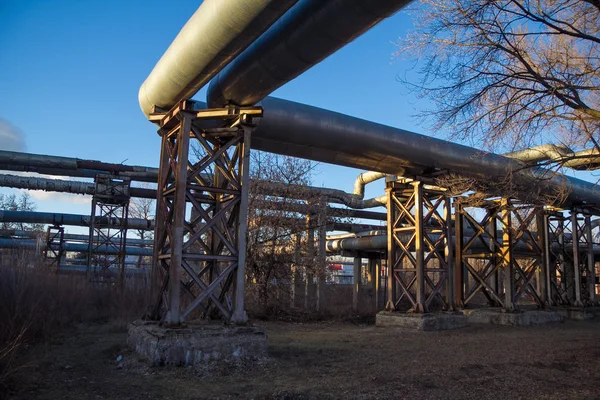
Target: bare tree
(22, 203)
(275, 223)
(509, 73)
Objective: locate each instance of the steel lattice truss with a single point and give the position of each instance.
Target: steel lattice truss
(201, 214)
(583, 257)
(108, 230)
(571, 270)
(490, 242)
(53, 252)
(418, 248)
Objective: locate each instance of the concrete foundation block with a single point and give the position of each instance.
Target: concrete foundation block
(579, 313)
(422, 322)
(196, 344)
(524, 318)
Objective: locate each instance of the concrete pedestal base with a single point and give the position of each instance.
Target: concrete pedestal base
(524, 318)
(579, 313)
(422, 322)
(196, 344)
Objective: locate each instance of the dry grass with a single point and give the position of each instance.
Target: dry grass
(339, 360)
(35, 304)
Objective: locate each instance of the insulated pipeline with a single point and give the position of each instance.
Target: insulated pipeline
(217, 32)
(304, 131)
(34, 217)
(304, 36)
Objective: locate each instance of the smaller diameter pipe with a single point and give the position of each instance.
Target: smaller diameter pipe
(583, 160)
(74, 247)
(64, 186)
(68, 237)
(364, 179)
(34, 217)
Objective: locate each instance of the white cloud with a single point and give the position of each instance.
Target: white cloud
(11, 137)
(36, 175)
(70, 198)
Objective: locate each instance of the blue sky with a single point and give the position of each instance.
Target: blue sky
(71, 70)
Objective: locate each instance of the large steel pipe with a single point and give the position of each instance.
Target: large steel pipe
(68, 237)
(66, 166)
(34, 217)
(309, 132)
(308, 33)
(75, 247)
(217, 32)
(263, 187)
(62, 186)
(379, 243)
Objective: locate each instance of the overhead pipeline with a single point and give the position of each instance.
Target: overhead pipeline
(585, 160)
(309, 32)
(68, 237)
(87, 188)
(217, 32)
(57, 165)
(304, 131)
(304, 36)
(75, 247)
(34, 217)
(379, 243)
(63, 186)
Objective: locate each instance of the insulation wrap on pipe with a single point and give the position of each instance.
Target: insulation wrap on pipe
(304, 36)
(217, 32)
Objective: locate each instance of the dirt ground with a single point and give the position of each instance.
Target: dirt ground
(335, 360)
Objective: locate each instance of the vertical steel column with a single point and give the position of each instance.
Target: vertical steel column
(158, 288)
(173, 316)
(550, 270)
(448, 253)
(497, 284)
(391, 252)
(545, 282)
(322, 254)
(377, 281)
(239, 309)
(591, 264)
(576, 265)
(566, 275)
(201, 218)
(371, 267)
(508, 256)
(356, 282)
(310, 259)
(420, 297)
(458, 276)
(295, 271)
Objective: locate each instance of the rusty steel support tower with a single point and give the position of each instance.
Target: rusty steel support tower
(200, 231)
(571, 265)
(54, 251)
(501, 255)
(108, 229)
(583, 256)
(419, 248)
